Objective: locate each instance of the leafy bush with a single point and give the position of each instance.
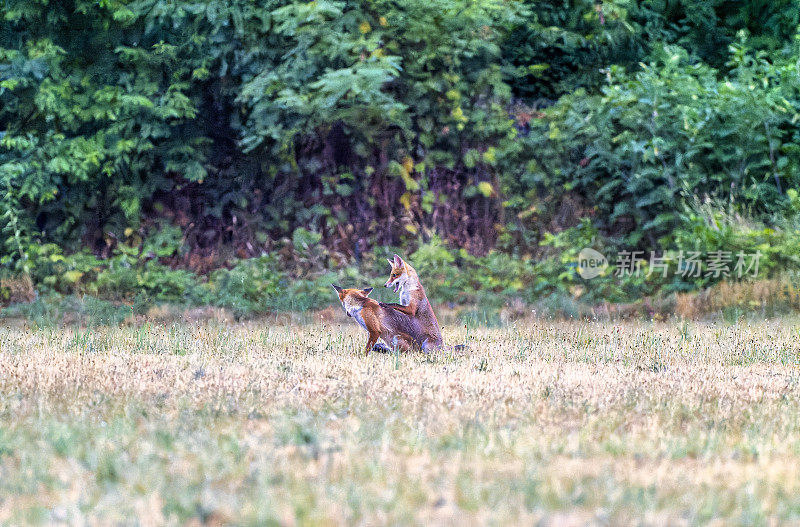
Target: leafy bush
(152, 107)
(667, 136)
(152, 280)
(778, 248)
(250, 286)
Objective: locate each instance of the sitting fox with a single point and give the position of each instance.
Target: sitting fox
(414, 303)
(394, 328)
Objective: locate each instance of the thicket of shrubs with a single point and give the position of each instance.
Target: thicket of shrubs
(243, 154)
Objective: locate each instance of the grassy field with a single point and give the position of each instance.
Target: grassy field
(539, 421)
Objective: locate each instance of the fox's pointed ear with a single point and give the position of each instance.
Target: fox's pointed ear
(390, 262)
(367, 290)
(397, 260)
(338, 289)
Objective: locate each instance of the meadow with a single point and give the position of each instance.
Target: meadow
(538, 422)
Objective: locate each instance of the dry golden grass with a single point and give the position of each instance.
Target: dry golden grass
(551, 422)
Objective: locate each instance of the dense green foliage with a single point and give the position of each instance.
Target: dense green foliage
(242, 153)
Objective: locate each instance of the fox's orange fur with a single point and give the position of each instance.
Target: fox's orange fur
(394, 328)
(414, 303)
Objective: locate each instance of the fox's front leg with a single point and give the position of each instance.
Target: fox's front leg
(410, 309)
(371, 340)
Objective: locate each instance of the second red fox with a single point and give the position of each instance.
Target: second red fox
(414, 303)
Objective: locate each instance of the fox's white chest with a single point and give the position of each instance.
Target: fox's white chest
(405, 292)
(405, 297)
(355, 312)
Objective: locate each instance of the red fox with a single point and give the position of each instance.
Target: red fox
(394, 328)
(414, 303)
